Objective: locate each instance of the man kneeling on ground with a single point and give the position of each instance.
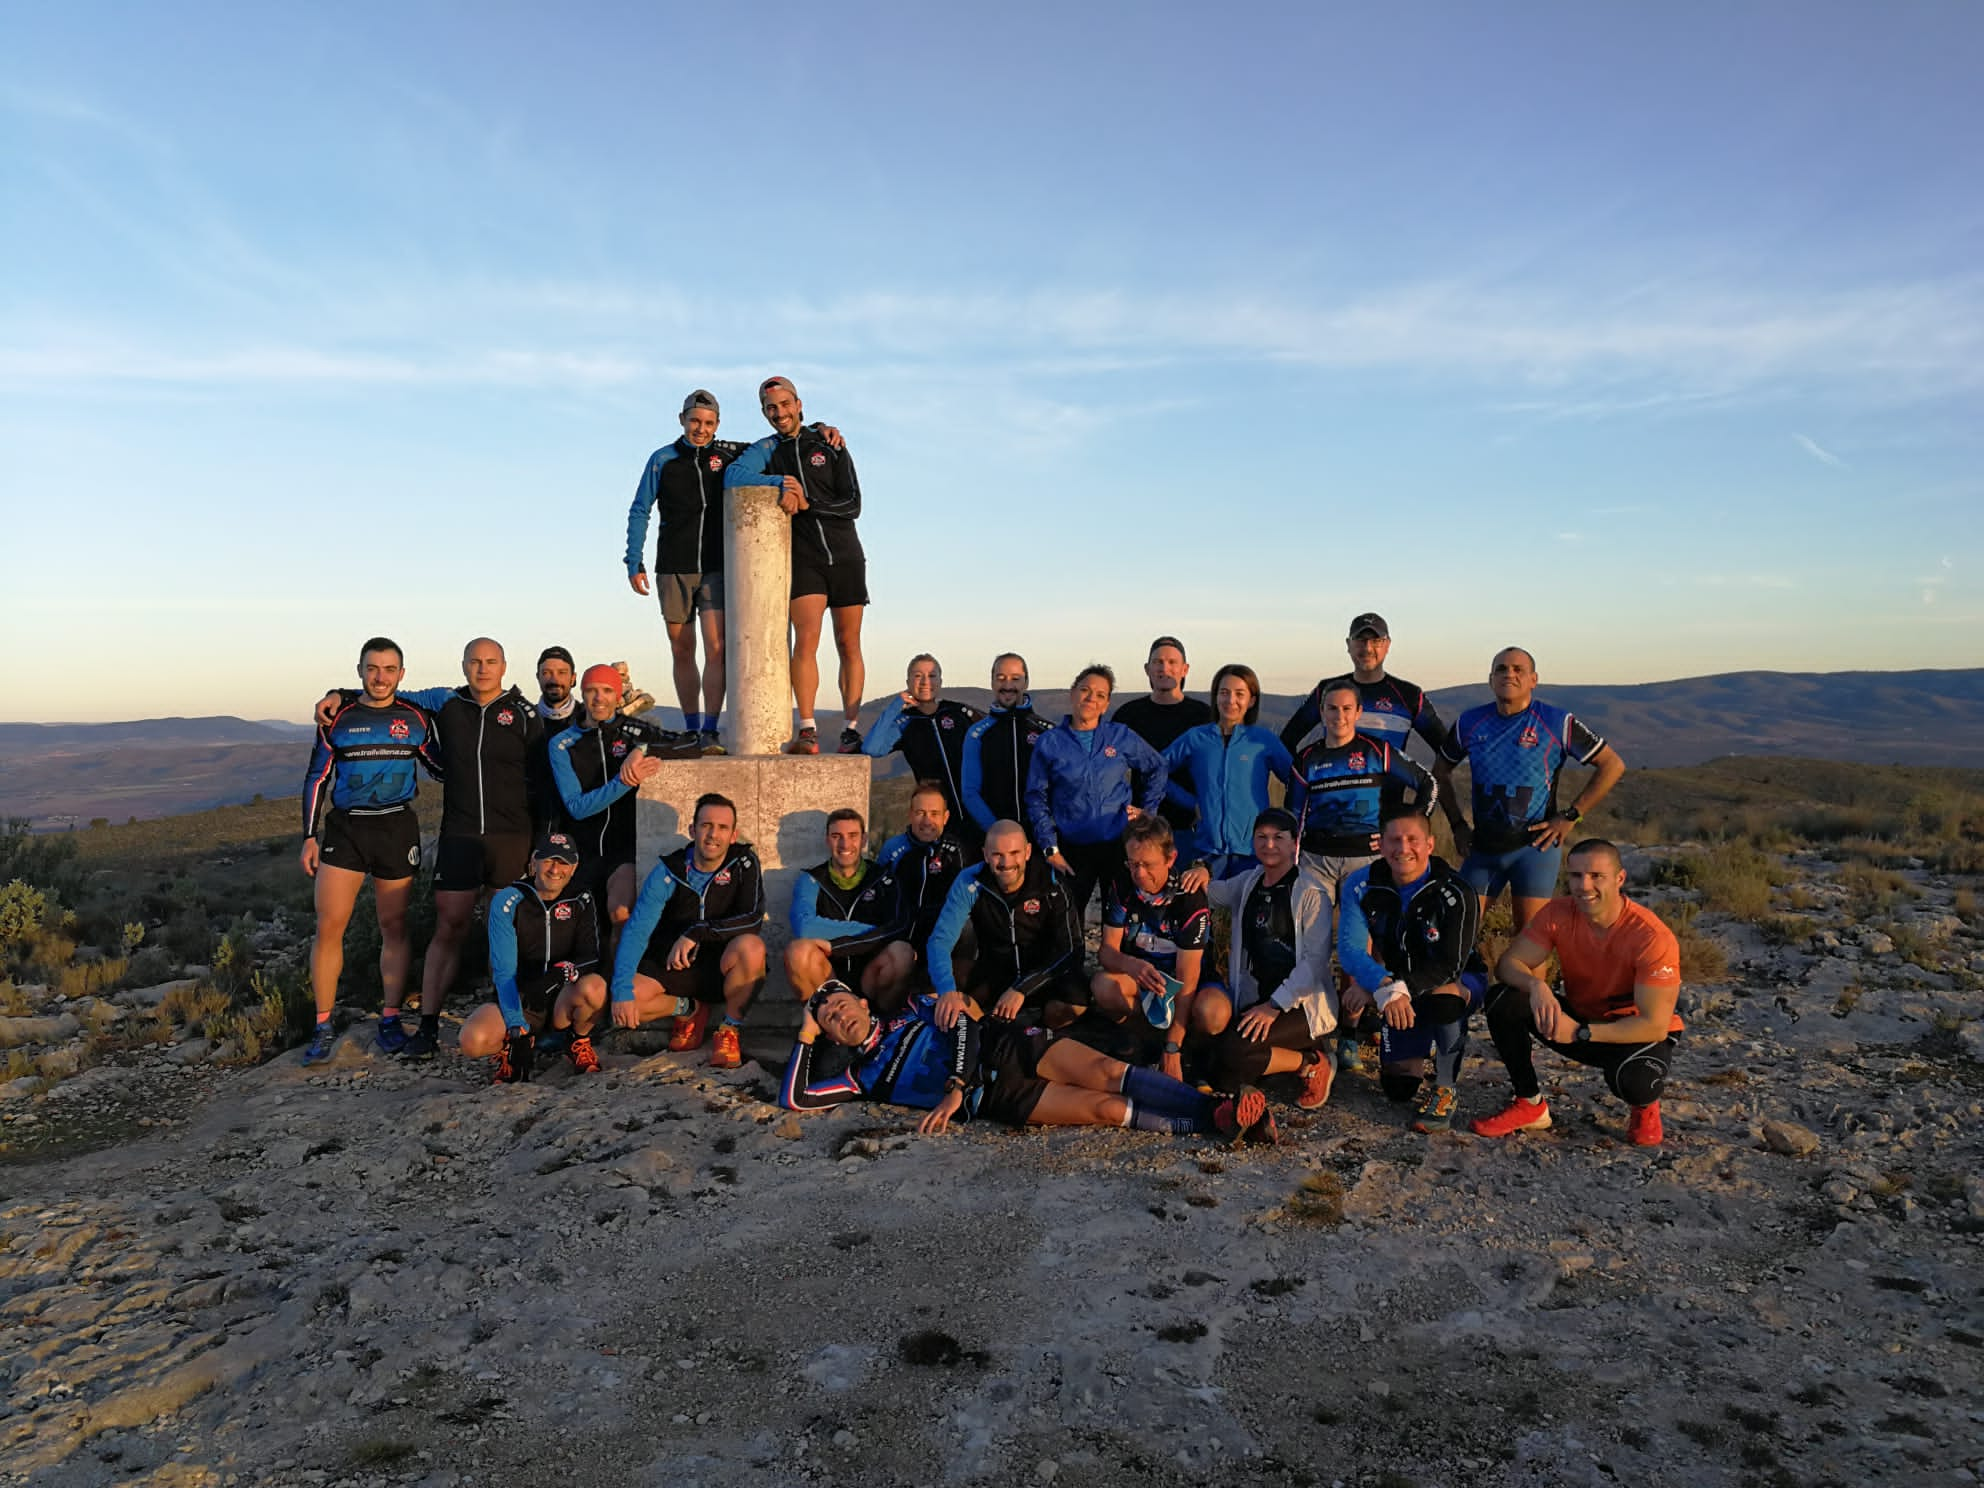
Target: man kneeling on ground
(1622, 977)
(844, 921)
(1406, 935)
(1278, 967)
(1001, 1071)
(543, 948)
(1154, 937)
(1006, 942)
(691, 942)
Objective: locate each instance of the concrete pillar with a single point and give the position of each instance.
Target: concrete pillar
(757, 598)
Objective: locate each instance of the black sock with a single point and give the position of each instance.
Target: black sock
(430, 1024)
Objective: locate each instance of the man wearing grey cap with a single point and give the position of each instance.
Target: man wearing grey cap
(819, 491)
(1393, 708)
(684, 480)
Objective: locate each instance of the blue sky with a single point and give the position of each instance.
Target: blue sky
(1650, 338)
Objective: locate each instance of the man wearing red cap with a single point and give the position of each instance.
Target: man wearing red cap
(597, 764)
(819, 491)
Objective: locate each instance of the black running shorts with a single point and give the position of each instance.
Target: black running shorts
(489, 861)
(844, 581)
(1008, 1069)
(701, 982)
(385, 844)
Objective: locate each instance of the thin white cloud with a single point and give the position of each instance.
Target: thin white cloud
(1818, 451)
(1744, 581)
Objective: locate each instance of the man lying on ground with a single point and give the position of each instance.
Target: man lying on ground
(1001, 1072)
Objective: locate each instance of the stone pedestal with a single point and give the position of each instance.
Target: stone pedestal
(757, 600)
(782, 805)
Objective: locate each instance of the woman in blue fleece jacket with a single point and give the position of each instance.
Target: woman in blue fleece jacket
(1088, 780)
(1221, 770)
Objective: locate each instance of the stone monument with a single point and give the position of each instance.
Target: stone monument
(782, 799)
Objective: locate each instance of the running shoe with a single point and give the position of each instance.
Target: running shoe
(1519, 1115)
(584, 1060)
(1436, 1109)
(707, 742)
(806, 741)
(1240, 1114)
(420, 1047)
(1317, 1075)
(518, 1061)
(392, 1034)
(689, 1031)
(1643, 1128)
(322, 1041)
(850, 740)
(724, 1050)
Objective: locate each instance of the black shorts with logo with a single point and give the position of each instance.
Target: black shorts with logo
(486, 862)
(701, 982)
(385, 844)
(1009, 1071)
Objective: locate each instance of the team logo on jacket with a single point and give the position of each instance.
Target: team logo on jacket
(722, 878)
(1109, 750)
(505, 718)
(936, 863)
(1528, 739)
(1032, 906)
(1356, 761)
(817, 458)
(398, 728)
(716, 462)
(619, 748)
(947, 722)
(1431, 932)
(562, 912)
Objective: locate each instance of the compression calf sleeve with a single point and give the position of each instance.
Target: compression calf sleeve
(1170, 1125)
(1449, 1047)
(1157, 1091)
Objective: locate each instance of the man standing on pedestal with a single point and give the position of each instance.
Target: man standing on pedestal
(819, 491)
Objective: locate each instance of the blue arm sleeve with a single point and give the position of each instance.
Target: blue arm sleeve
(972, 786)
(1039, 818)
(807, 921)
(580, 804)
(1178, 765)
(648, 904)
(753, 467)
(1353, 945)
(892, 850)
(949, 930)
(1279, 761)
(433, 699)
(887, 732)
(797, 1092)
(503, 956)
(637, 514)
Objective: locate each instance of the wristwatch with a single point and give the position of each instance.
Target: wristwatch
(1583, 1035)
(1572, 815)
(1174, 1048)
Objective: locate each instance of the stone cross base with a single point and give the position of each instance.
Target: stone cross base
(782, 805)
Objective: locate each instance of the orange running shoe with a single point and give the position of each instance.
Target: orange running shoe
(1643, 1127)
(1236, 1117)
(689, 1031)
(1317, 1077)
(585, 1060)
(1518, 1115)
(724, 1052)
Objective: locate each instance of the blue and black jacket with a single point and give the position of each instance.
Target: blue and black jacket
(823, 534)
(859, 918)
(1019, 941)
(1394, 710)
(599, 806)
(679, 899)
(933, 743)
(1514, 761)
(1339, 793)
(1082, 782)
(907, 1061)
(998, 752)
(683, 482)
(1423, 933)
(531, 940)
(486, 751)
(923, 874)
(1224, 779)
(367, 761)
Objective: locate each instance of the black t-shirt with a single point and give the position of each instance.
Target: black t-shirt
(1157, 725)
(1267, 931)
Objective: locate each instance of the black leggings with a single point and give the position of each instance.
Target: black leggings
(1636, 1073)
(1094, 864)
(1238, 1061)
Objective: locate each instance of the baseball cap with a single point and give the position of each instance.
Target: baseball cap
(1373, 622)
(556, 653)
(602, 675)
(1277, 817)
(701, 399)
(771, 382)
(556, 845)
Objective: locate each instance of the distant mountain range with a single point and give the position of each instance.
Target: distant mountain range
(68, 774)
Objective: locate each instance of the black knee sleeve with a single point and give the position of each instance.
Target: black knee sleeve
(1440, 1007)
(1639, 1080)
(1398, 1084)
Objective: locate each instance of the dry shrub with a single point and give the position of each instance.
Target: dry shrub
(1731, 878)
(1704, 957)
(197, 1007)
(87, 978)
(13, 1001)
(1872, 890)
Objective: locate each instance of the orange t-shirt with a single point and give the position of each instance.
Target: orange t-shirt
(1601, 967)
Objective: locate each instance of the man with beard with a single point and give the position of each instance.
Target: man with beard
(998, 749)
(929, 730)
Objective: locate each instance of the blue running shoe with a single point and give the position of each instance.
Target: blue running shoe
(392, 1035)
(321, 1044)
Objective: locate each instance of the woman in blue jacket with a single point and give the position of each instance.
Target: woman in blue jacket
(1088, 780)
(1221, 770)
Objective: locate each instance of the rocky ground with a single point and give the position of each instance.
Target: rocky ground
(371, 1274)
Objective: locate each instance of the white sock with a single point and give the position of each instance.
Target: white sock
(1129, 1112)
(807, 723)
